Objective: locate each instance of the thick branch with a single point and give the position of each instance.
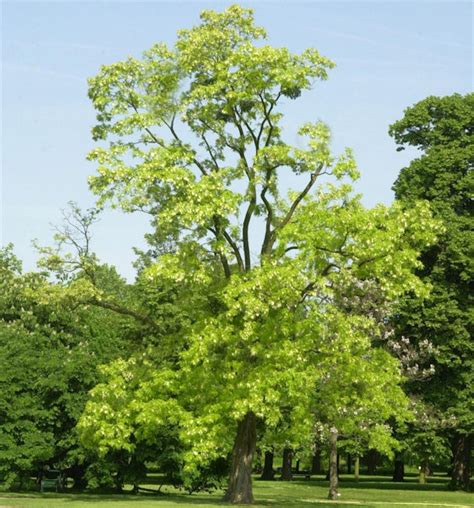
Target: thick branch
(125, 311)
(291, 211)
(269, 208)
(235, 248)
(298, 200)
(369, 260)
(225, 266)
(245, 227)
(241, 148)
(219, 230)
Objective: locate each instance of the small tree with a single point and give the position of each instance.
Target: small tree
(193, 136)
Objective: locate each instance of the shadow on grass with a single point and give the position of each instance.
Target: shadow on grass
(377, 482)
(178, 499)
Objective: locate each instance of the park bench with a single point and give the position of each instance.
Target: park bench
(51, 478)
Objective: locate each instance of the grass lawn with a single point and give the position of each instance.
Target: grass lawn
(370, 492)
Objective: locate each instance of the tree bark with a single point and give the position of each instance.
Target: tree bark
(398, 470)
(286, 474)
(268, 472)
(356, 468)
(333, 479)
(461, 462)
(316, 463)
(239, 490)
(371, 462)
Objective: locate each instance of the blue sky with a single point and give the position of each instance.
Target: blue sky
(388, 54)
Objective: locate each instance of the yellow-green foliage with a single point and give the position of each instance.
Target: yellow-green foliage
(193, 136)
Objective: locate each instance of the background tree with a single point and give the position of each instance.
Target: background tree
(356, 399)
(193, 136)
(49, 351)
(442, 128)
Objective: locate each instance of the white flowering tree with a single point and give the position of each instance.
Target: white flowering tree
(193, 136)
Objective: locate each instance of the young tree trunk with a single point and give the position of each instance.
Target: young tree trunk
(239, 490)
(286, 474)
(316, 463)
(333, 479)
(118, 480)
(461, 473)
(268, 472)
(398, 470)
(424, 471)
(298, 462)
(356, 468)
(371, 462)
(349, 463)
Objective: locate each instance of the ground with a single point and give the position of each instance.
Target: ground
(370, 492)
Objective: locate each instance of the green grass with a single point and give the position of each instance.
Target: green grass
(370, 492)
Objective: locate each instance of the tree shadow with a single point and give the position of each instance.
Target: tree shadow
(382, 483)
(177, 499)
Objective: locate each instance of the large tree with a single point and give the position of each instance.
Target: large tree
(442, 129)
(193, 136)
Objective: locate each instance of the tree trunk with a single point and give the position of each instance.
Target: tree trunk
(371, 462)
(398, 470)
(286, 474)
(356, 468)
(316, 463)
(298, 466)
(333, 479)
(268, 472)
(424, 471)
(349, 463)
(461, 462)
(240, 481)
(118, 480)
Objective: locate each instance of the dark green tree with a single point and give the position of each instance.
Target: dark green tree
(442, 129)
(50, 348)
